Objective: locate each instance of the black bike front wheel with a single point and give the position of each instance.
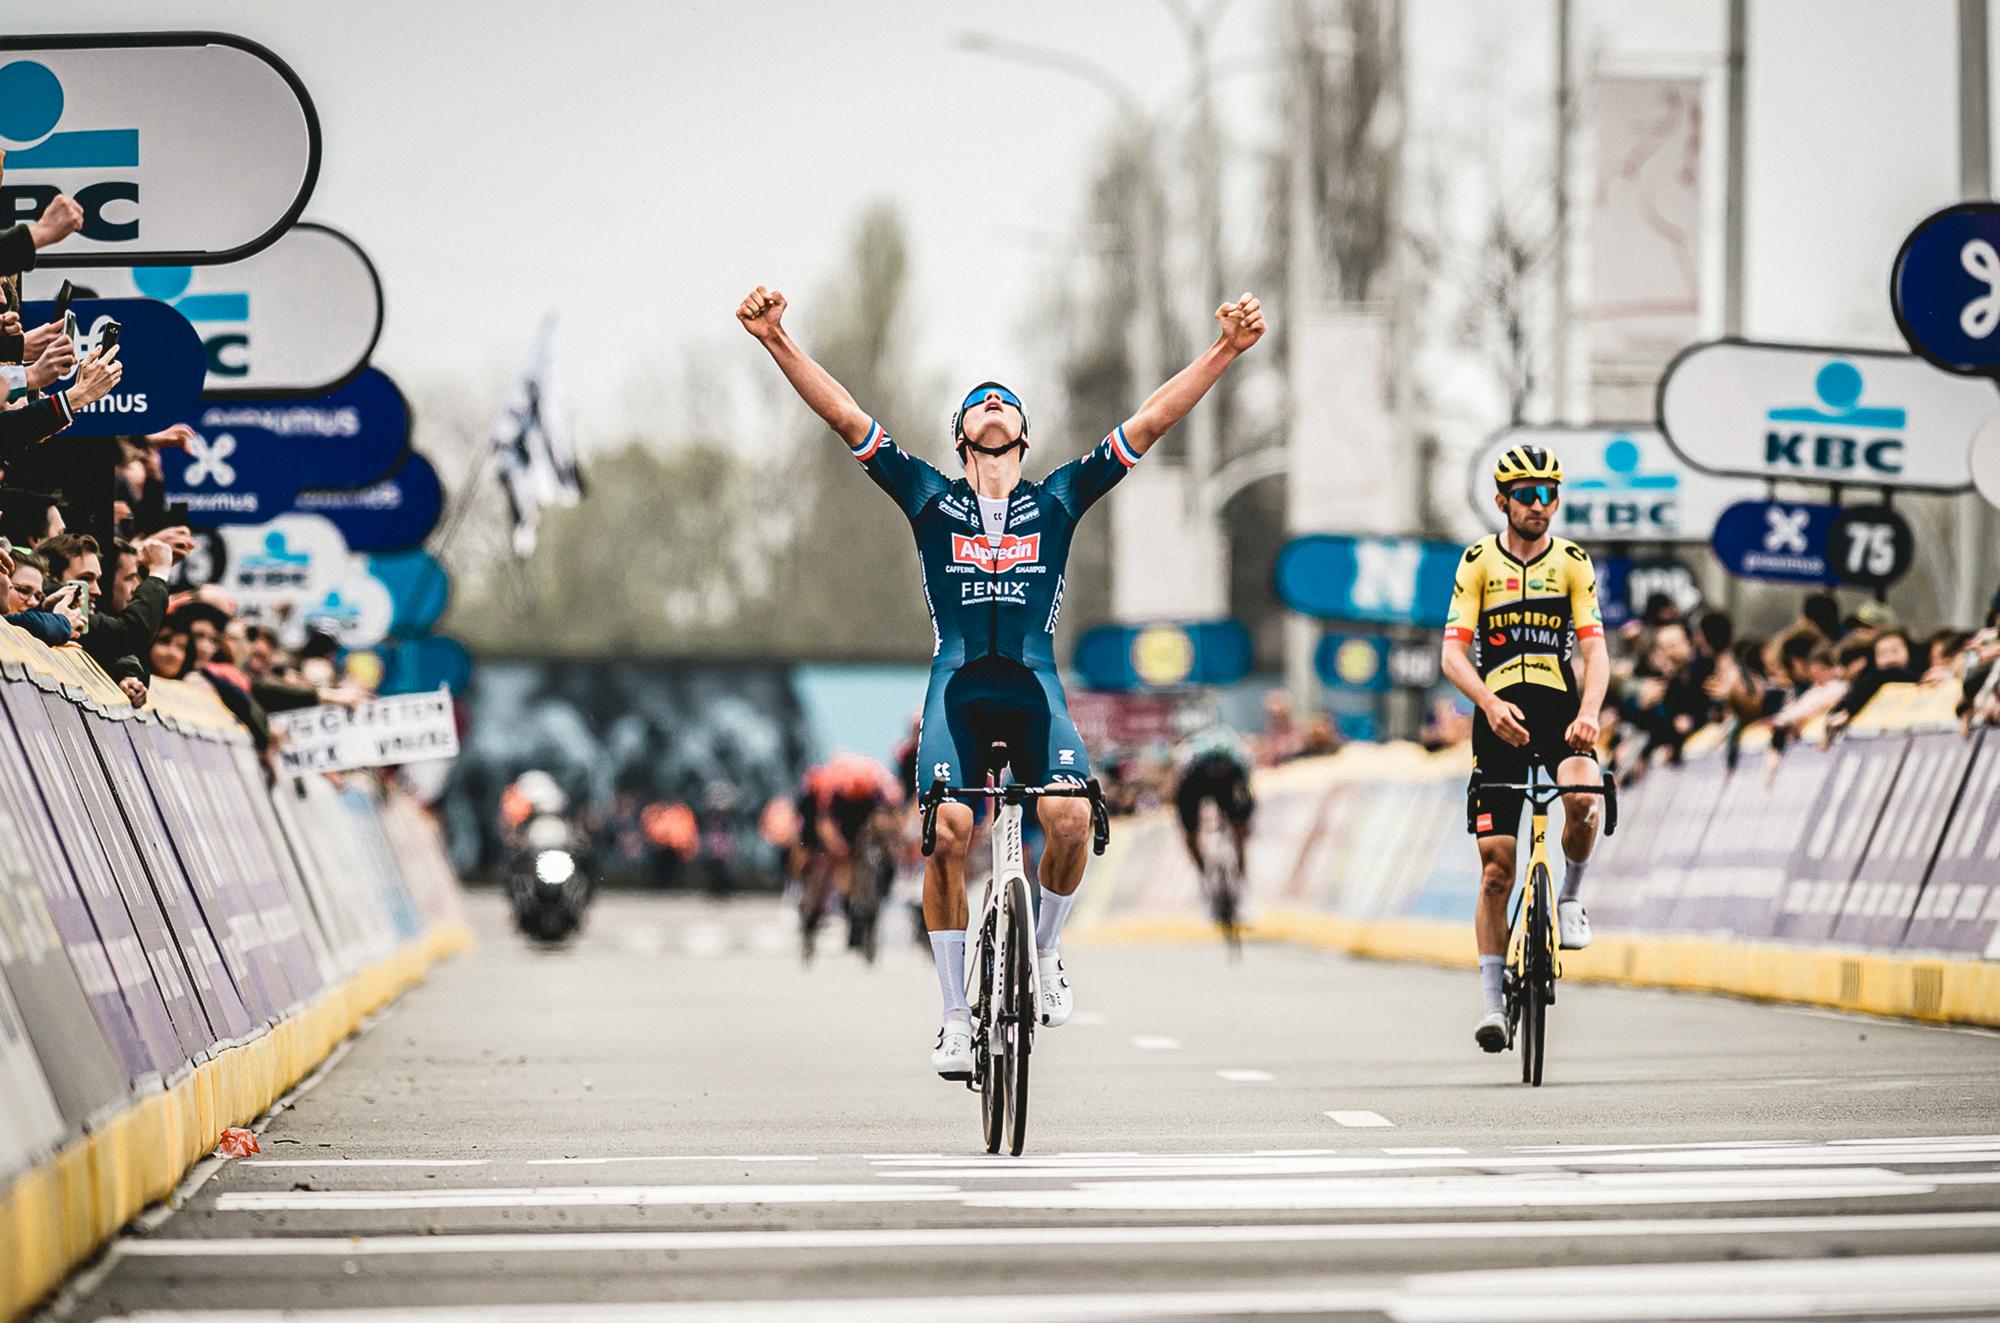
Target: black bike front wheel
(1540, 981)
(990, 1062)
(1018, 1022)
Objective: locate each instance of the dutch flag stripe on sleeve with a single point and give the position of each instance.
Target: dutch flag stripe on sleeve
(871, 443)
(1121, 448)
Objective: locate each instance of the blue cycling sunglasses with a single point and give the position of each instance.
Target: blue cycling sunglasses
(979, 397)
(1534, 493)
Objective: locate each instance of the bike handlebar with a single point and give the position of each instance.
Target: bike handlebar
(1100, 820)
(1543, 793)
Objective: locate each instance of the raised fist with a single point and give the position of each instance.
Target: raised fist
(1242, 322)
(761, 311)
(59, 221)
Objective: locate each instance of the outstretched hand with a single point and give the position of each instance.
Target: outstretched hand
(761, 312)
(1242, 322)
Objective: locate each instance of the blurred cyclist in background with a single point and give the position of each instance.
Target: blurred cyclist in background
(1213, 766)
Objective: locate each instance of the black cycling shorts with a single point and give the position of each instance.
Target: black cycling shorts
(850, 813)
(1548, 713)
(1220, 780)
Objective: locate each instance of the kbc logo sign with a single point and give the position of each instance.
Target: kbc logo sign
(31, 107)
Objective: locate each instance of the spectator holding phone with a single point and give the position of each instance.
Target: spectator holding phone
(54, 622)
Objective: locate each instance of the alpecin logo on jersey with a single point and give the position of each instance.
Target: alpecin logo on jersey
(1012, 551)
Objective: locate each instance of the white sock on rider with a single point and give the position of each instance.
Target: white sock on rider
(1048, 927)
(948, 949)
(1572, 877)
(1489, 981)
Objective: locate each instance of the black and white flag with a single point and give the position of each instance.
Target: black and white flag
(538, 466)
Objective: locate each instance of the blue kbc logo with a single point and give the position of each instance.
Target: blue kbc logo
(1830, 445)
(169, 285)
(31, 106)
(1625, 500)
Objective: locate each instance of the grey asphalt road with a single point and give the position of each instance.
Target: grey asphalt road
(674, 1119)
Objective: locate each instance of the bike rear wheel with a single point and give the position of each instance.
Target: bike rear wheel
(1017, 1021)
(1540, 978)
(989, 1063)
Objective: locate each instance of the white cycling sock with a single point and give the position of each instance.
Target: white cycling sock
(1048, 927)
(948, 949)
(1572, 877)
(1489, 981)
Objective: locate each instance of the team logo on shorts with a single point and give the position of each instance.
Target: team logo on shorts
(1483, 823)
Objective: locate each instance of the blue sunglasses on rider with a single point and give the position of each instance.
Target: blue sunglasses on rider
(1533, 493)
(979, 397)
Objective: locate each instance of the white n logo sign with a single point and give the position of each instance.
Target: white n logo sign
(1385, 575)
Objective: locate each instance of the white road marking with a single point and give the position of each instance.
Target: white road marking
(673, 1242)
(1359, 1120)
(1425, 1151)
(1783, 1289)
(1087, 1017)
(368, 1162)
(667, 1157)
(1245, 1076)
(1153, 1043)
(1855, 1017)
(573, 1196)
(706, 939)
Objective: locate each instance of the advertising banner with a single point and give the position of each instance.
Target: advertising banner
(159, 351)
(30, 1126)
(416, 665)
(419, 590)
(1777, 541)
(299, 318)
(385, 733)
(395, 514)
(1387, 580)
(1621, 483)
(226, 480)
(1811, 414)
(354, 435)
(293, 559)
(1879, 904)
(1959, 910)
(83, 1075)
(1843, 822)
(181, 147)
(1986, 462)
(1945, 288)
(1159, 656)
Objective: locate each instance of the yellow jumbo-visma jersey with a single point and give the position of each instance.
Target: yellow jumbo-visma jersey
(1521, 618)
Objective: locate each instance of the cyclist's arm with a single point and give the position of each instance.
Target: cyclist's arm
(1593, 657)
(1458, 668)
(761, 314)
(1242, 325)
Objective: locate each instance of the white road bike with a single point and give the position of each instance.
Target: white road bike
(1002, 973)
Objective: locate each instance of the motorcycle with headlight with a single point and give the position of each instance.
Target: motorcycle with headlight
(547, 881)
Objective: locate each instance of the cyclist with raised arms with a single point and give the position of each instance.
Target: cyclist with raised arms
(991, 547)
(1525, 642)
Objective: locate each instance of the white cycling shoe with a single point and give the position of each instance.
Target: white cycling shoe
(1057, 1001)
(1492, 1031)
(1572, 925)
(952, 1057)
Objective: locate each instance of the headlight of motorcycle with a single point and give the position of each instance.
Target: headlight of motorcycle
(554, 867)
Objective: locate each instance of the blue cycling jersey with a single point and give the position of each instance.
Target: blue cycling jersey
(994, 597)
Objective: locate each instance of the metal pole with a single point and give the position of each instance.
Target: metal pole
(1301, 635)
(1975, 180)
(1565, 93)
(1738, 139)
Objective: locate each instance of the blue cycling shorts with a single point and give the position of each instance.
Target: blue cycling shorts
(968, 709)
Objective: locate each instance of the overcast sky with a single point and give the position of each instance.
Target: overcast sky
(638, 164)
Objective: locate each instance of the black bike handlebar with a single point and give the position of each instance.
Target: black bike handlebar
(1100, 820)
(1543, 793)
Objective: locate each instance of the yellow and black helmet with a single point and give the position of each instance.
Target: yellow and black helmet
(1522, 463)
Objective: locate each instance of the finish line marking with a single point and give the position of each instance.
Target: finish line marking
(1360, 1120)
(369, 1162)
(563, 1242)
(1245, 1076)
(1153, 1043)
(666, 1157)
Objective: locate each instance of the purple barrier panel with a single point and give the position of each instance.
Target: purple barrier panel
(1288, 822)
(214, 983)
(274, 853)
(365, 827)
(420, 853)
(1740, 866)
(1316, 877)
(1959, 910)
(284, 925)
(210, 759)
(1842, 822)
(30, 1125)
(356, 936)
(110, 960)
(1886, 886)
(1621, 864)
(169, 769)
(62, 1023)
(1686, 814)
(171, 972)
(1438, 876)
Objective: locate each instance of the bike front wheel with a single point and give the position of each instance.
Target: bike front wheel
(990, 1061)
(1017, 1021)
(1538, 985)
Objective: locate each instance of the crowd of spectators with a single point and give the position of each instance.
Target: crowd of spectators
(1674, 675)
(86, 542)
